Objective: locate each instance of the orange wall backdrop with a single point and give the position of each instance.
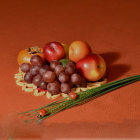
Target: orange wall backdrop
(112, 29)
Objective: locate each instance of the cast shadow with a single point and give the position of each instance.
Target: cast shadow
(114, 71)
(117, 70)
(111, 57)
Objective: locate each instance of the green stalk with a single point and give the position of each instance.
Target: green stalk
(95, 96)
(114, 84)
(108, 90)
(92, 91)
(104, 92)
(110, 84)
(48, 105)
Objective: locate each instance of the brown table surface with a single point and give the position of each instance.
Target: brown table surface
(111, 27)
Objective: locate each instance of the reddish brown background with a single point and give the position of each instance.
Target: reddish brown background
(111, 27)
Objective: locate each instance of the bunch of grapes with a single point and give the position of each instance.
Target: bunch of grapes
(52, 77)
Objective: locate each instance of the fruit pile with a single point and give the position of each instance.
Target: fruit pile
(58, 68)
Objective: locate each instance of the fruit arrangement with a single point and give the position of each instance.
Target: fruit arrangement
(59, 69)
(71, 71)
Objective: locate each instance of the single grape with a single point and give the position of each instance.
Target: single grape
(36, 80)
(83, 83)
(70, 70)
(65, 88)
(42, 85)
(35, 70)
(25, 67)
(59, 69)
(36, 60)
(53, 88)
(28, 77)
(63, 77)
(76, 79)
(53, 64)
(49, 76)
(70, 64)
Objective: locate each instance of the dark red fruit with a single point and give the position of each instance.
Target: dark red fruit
(70, 64)
(42, 71)
(53, 64)
(36, 60)
(65, 88)
(28, 77)
(53, 88)
(70, 70)
(25, 67)
(43, 85)
(59, 69)
(63, 77)
(83, 83)
(76, 79)
(35, 70)
(36, 80)
(71, 84)
(49, 76)
(54, 51)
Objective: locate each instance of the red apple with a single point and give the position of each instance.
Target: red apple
(92, 67)
(54, 51)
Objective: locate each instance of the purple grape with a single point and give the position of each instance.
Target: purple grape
(28, 77)
(65, 88)
(37, 79)
(53, 64)
(49, 76)
(76, 79)
(36, 60)
(63, 77)
(53, 88)
(25, 67)
(35, 70)
(59, 69)
(43, 85)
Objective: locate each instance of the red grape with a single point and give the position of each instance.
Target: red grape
(53, 88)
(65, 88)
(25, 67)
(71, 84)
(70, 64)
(43, 85)
(63, 77)
(35, 70)
(83, 83)
(28, 77)
(76, 79)
(59, 69)
(36, 60)
(53, 64)
(49, 76)
(42, 71)
(36, 80)
(70, 70)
